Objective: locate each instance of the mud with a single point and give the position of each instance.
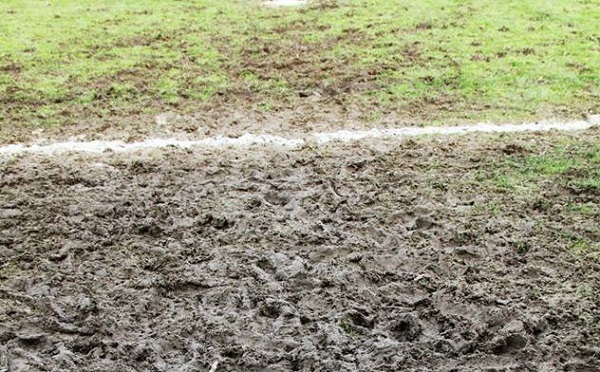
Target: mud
(359, 257)
(221, 120)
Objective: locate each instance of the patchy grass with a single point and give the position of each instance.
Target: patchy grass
(572, 164)
(556, 180)
(8, 270)
(63, 62)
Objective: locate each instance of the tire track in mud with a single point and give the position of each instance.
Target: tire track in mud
(356, 257)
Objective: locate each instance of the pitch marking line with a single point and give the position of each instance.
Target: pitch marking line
(319, 138)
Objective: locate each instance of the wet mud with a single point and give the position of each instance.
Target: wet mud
(359, 257)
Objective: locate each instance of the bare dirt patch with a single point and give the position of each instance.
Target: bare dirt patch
(371, 256)
(209, 122)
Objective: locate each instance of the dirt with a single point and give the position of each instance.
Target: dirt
(217, 121)
(376, 256)
(207, 121)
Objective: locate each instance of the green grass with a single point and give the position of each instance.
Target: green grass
(567, 162)
(65, 61)
(554, 179)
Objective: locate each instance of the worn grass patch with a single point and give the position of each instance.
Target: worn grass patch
(557, 180)
(572, 164)
(63, 62)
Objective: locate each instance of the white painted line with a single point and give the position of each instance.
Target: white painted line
(248, 140)
(278, 3)
(120, 146)
(153, 143)
(345, 135)
(594, 119)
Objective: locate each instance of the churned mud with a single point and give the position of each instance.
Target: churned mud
(375, 256)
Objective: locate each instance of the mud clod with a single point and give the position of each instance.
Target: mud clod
(509, 343)
(406, 328)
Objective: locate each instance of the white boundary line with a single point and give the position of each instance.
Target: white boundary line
(276, 141)
(284, 3)
(479, 128)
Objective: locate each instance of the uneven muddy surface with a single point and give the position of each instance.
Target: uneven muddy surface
(223, 120)
(377, 256)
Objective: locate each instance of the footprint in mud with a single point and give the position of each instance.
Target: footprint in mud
(358, 321)
(418, 218)
(507, 344)
(276, 198)
(273, 308)
(425, 217)
(510, 338)
(405, 328)
(424, 223)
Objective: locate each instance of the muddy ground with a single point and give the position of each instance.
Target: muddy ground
(377, 256)
(227, 121)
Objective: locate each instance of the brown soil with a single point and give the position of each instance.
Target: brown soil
(221, 117)
(370, 257)
(217, 121)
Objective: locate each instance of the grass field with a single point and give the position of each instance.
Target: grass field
(71, 62)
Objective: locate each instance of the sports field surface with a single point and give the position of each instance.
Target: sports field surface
(108, 67)
(227, 186)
